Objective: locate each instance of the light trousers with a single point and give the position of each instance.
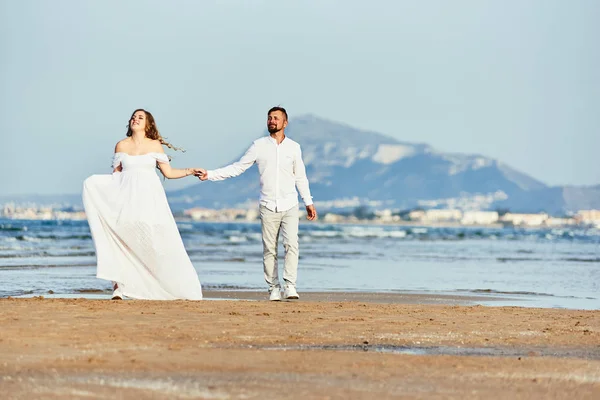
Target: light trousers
(272, 223)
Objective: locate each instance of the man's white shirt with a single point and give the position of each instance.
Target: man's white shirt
(281, 170)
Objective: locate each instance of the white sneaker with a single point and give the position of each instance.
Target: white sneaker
(275, 294)
(290, 293)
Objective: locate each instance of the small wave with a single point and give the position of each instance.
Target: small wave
(24, 238)
(92, 291)
(223, 286)
(256, 236)
(578, 259)
(47, 254)
(514, 259)
(185, 226)
(17, 247)
(11, 228)
(15, 255)
(333, 254)
(517, 292)
(521, 293)
(238, 239)
(374, 233)
(324, 234)
(43, 266)
(15, 293)
(52, 237)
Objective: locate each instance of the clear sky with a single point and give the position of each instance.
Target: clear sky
(515, 80)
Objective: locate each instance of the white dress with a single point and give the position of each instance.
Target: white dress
(137, 241)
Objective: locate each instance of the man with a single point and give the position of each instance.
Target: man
(281, 169)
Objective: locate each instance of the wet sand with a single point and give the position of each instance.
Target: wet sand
(335, 347)
(364, 297)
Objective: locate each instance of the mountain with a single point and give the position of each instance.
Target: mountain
(348, 167)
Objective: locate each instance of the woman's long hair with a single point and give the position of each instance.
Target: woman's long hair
(151, 130)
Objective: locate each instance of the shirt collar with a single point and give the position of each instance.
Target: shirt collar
(274, 141)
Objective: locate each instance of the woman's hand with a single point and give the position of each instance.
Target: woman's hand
(201, 174)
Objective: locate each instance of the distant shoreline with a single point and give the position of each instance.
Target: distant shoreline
(400, 297)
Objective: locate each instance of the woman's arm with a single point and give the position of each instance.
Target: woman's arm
(175, 173)
(170, 172)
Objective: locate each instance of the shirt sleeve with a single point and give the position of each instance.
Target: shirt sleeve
(301, 179)
(235, 169)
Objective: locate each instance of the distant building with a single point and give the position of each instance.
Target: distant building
(416, 215)
(588, 217)
(443, 215)
(9, 210)
(40, 213)
(524, 219)
(198, 214)
(557, 222)
(386, 216)
(435, 215)
(479, 217)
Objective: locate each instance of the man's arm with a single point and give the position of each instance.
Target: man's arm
(301, 179)
(233, 170)
(302, 185)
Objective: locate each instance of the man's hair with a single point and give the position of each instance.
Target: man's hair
(277, 108)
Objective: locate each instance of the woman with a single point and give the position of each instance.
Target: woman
(138, 246)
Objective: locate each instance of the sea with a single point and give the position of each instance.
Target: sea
(525, 267)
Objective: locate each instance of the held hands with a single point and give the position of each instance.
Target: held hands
(194, 171)
(311, 213)
(201, 174)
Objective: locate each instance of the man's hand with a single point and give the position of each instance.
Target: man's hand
(195, 171)
(311, 212)
(200, 173)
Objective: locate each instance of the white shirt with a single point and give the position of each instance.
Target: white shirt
(281, 170)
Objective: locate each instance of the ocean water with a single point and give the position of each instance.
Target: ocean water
(524, 267)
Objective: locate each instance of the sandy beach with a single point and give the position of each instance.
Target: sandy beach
(325, 348)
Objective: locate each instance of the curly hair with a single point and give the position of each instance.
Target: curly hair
(151, 130)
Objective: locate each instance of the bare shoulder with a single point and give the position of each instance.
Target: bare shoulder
(122, 145)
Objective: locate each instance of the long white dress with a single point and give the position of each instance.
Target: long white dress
(137, 241)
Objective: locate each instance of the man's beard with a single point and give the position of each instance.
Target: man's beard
(273, 129)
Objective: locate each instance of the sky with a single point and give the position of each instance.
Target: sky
(518, 81)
